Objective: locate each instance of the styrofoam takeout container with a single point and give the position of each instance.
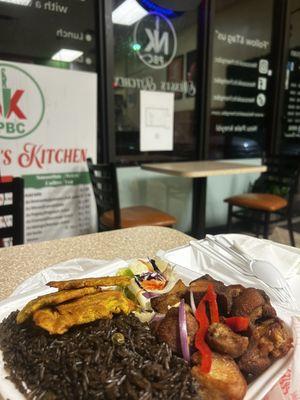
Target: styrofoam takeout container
(187, 267)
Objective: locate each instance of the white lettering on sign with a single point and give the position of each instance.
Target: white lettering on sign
(147, 83)
(236, 38)
(155, 43)
(157, 40)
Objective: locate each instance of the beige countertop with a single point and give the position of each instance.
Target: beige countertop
(19, 262)
(202, 169)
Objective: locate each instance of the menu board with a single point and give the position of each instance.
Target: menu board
(241, 79)
(35, 30)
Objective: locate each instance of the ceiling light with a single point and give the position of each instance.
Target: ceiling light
(17, 2)
(128, 13)
(67, 55)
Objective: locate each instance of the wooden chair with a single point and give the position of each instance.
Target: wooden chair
(272, 193)
(15, 230)
(110, 216)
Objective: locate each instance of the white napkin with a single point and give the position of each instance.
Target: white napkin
(285, 258)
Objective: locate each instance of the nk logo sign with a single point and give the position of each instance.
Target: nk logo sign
(22, 103)
(155, 38)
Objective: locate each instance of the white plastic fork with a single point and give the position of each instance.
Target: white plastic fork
(236, 268)
(262, 270)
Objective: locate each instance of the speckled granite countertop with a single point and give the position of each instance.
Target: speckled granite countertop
(19, 262)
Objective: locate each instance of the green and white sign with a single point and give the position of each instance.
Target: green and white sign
(48, 128)
(22, 104)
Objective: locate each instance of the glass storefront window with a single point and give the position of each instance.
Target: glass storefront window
(241, 78)
(291, 108)
(60, 34)
(155, 49)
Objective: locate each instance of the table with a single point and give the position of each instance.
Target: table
(199, 171)
(20, 262)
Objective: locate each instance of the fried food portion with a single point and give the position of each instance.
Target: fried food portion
(223, 340)
(167, 330)
(89, 282)
(87, 309)
(270, 340)
(52, 299)
(161, 304)
(252, 303)
(225, 294)
(223, 382)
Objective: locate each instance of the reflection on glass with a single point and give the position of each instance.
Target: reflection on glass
(241, 78)
(291, 112)
(42, 29)
(155, 53)
(18, 2)
(128, 13)
(67, 55)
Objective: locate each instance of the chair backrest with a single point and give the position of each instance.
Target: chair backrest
(105, 186)
(281, 178)
(15, 209)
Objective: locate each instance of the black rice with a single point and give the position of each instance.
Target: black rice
(87, 363)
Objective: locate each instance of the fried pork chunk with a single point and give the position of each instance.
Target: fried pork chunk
(223, 340)
(167, 330)
(52, 299)
(252, 303)
(162, 303)
(225, 294)
(269, 340)
(223, 382)
(87, 309)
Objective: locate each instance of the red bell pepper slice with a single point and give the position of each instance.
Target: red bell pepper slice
(206, 354)
(237, 324)
(211, 298)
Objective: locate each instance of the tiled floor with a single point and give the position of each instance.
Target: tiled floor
(281, 235)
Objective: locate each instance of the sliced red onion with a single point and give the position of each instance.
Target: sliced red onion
(150, 295)
(192, 301)
(185, 348)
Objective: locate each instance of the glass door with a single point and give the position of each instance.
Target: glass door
(154, 49)
(242, 75)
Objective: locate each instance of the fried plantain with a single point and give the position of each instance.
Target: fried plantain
(52, 298)
(87, 309)
(88, 282)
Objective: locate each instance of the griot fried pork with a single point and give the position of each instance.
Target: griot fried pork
(168, 331)
(239, 351)
(224, 380)
(162, 303)
(223, 340)
(269, 340)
